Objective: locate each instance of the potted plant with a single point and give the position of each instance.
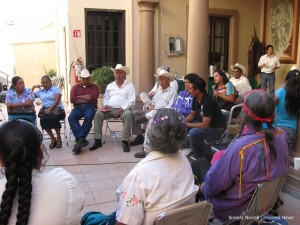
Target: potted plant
(102, 77)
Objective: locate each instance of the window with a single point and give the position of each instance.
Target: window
(105, 40)
(218, 42)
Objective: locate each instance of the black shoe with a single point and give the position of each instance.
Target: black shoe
(76, 150)
(82, 142)
(126, 147)
(141, 154)
(97, 144)
(137, 141)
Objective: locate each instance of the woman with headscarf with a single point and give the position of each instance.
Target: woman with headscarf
(260, 154)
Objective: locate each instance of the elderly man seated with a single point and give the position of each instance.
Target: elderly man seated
(164, 97)
(118, 99)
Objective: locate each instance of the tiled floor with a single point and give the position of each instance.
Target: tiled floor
(100, 172)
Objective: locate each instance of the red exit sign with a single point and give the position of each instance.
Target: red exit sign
(76, 33)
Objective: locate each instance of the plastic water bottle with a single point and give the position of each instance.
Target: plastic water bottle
(71, 136)
(113, 138)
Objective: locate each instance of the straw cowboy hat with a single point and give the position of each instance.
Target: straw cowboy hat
(164, 73)
(85, 73)
(121, 67)
(241, 67)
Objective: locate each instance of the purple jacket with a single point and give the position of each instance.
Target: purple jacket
(221, 183)
(183, 103)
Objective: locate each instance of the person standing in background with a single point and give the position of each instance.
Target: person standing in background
(268, 63)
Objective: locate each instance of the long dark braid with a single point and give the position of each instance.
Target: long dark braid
(20, 151)
(25, 189)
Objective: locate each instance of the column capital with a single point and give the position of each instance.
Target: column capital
(150, 3)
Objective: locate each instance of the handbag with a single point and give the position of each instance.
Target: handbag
(21, 111)
(55, 111)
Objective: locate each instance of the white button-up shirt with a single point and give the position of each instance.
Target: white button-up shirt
(241, 80)
(271, 62)
(123, 97)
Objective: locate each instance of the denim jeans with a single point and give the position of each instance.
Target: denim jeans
(197, 137)
(291, 133)
(268, 79)
(85, 111)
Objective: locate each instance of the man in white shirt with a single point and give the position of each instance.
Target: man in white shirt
(239, 72)
(268, 63)
(146, 97)
(118, 99)
(164, 97)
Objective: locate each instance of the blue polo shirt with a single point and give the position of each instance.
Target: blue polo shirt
(48, 96)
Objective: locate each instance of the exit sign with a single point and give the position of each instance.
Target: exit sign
(76, 33)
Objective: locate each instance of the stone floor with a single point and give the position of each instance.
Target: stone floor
(100, 172)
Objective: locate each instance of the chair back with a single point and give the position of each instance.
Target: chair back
(242, 89)
(195, 214)
(263, 199)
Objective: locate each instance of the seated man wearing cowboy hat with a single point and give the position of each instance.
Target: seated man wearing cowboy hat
(164, 97)
(239, 80)
(239, 73)
(118, 99)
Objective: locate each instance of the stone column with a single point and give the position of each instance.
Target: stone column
(197, 44)
(146, 55)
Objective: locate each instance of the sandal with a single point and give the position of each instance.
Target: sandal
(52, 145)
(58, 145)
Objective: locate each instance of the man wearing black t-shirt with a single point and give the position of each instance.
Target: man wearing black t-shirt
(205, 120)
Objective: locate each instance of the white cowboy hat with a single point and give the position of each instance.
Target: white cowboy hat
(121, 67)
(164, 73)
(85, 73)
(241, 67)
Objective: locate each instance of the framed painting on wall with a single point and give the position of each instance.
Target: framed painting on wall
(281, 24)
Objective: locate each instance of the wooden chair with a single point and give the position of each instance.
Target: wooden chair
(195, 214)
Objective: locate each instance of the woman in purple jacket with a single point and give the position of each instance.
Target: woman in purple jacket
(259, 154)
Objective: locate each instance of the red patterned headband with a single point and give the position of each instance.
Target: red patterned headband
(248, 111)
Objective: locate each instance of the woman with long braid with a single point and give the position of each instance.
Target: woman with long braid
(30, 196)
(260, 154)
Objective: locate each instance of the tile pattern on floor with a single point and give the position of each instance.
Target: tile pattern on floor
(100, 172)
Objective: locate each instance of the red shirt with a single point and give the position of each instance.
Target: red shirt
(91, 89)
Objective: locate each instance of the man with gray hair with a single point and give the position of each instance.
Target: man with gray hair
(118, 99)
(164, 97)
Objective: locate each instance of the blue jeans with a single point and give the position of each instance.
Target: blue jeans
(291, 133)
(85, 111)
(268, 78)
(197, 137)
